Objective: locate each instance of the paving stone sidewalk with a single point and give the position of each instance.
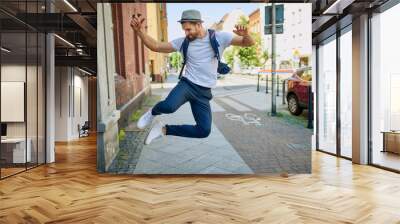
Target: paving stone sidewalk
(270, 145)
(177, 155)
(279, 144)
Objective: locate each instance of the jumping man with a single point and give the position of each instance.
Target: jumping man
(199, 77)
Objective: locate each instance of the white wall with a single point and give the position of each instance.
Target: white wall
(33, 125)
(69, 85)
(12, 101)
(80, 84)
(61, 103)
(296, 31)
(12, 73)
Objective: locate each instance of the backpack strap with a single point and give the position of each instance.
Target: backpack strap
(214, 43)
(184, 49)
(185, 46)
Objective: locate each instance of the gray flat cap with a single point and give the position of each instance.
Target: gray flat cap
(190, 15)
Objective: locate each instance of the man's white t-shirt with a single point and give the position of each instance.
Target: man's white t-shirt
(201, 63)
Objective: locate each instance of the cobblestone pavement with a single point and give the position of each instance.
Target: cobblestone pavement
(267, 144)
(244, 139)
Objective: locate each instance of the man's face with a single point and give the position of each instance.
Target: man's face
(192, 30)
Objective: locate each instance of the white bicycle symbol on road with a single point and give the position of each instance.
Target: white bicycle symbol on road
(246, 119)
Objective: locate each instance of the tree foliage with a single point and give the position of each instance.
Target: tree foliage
(253, 56)
(176, 60)
(243, 21)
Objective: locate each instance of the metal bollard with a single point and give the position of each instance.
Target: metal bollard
(277, 85)
(266, 87)
(258, 82)
(310, 109)
(283, 92)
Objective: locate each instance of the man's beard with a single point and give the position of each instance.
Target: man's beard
(191, 37)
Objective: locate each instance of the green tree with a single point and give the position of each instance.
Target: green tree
(262, 55)
(243, 21)
(176, 60)
(248, 56)
(253, 55)
(229, 55)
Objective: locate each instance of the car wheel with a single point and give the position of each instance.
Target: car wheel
(293, 105)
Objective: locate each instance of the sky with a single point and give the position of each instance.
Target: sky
(210, 13)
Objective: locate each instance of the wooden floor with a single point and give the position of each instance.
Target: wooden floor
(387, 159)
(10, 171)
(71, 191)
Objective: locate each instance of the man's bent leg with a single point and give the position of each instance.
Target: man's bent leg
(202, 114)
(179, 95)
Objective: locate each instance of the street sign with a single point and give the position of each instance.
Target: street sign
(268, 29)
(279, 19)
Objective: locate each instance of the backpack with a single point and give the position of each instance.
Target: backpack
(222, 67)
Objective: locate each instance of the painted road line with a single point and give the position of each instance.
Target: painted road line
(216, 107)
(235, 105)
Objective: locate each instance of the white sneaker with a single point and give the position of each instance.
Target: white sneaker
(145, 120)
(155, 133)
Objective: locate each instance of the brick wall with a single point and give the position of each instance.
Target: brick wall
(130, 53)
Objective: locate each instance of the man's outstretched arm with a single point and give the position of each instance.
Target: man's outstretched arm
(243, 37)
(154, 45)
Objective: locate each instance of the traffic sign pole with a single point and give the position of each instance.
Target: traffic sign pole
(273, 67)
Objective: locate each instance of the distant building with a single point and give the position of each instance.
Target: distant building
(157, 27)
(228, 21)
(254, 22)
(131, 57)
(296, 37)
(227, 24)
(123, 75)
(254, 25)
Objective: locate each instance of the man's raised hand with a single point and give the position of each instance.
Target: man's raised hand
(136, 22)
(240, 30)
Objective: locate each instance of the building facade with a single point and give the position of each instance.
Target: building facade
(132, 79)
(125, 69)
(157, 28)
(227, 24)
(228, 21)
(254, 22)
(294, 42)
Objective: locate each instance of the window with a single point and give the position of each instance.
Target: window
(385, 88)
(329, 111)
(22, 75)
(118, 40)
(327, 95)
(346, 94)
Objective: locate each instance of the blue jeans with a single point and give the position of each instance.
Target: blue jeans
(199, 98)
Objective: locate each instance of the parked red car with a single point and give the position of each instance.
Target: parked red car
(297, 90)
